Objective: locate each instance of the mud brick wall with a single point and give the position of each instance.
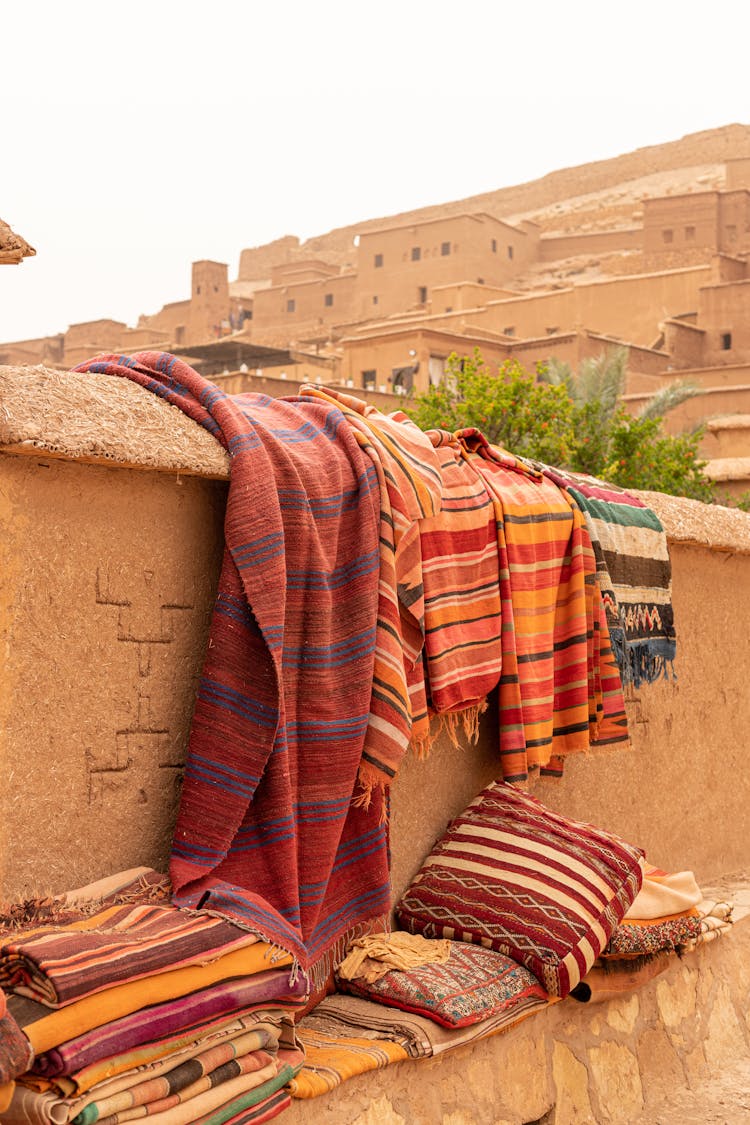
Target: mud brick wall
(111, 512)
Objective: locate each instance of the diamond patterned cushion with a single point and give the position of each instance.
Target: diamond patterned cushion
(516, 877)
(472, 985)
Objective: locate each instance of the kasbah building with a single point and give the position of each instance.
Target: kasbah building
(649, 250)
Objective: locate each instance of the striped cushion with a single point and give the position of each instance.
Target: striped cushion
(513, 876)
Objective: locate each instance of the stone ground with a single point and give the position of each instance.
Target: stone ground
(724, 1100)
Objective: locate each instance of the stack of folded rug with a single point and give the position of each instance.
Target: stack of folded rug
(120, 1005)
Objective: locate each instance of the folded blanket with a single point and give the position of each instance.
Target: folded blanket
(249, 1052)
(138, 885)
(346, 1035)
(332, 1059)
(266, 833)
(663, 893)
(116, 1072)
(264, 1110)
(48, 1028)
(59, 964)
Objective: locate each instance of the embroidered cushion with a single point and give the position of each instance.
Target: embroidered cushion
(673, 934)
(472, 985)
(513, 876)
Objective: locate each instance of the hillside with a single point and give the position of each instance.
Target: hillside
(604, 193)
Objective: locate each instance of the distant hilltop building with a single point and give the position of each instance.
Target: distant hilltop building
(649, 250)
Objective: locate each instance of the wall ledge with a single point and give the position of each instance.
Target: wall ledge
(693, 523)
(103, 420)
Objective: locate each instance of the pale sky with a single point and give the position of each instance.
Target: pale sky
(138, 137)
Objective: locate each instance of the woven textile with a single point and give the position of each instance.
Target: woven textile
(559, 688)
(137, 886)
(16, 1053)
(59, 964)
(264, 1110)
(266, 831)
(462, 648)
(331, 1059)
(671, 934)
(340, 1037)
(410, 483)
(634, 573)
(129, 1090)
(147, 1024)
(216, 1064)
(118, 1071)
(473, 985)
(513, 876)
(371, 957)
(663, 893)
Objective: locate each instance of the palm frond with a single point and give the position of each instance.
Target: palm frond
(558, 373)
(668, 398)
(601, 379)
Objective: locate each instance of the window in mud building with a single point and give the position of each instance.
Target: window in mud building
(552, 330)
(494, 246)
(509, 331)
(690, 234)
(422, 295)
(179, 334)
(480, 281)
(667, 235)
(378, 261)
(402, 379)
(445, 249)
(197, 289)
(368, 379)
(510, 252)
(328, 300)
(726, 341)
(416, 253)
(374, 300)
(291, 305)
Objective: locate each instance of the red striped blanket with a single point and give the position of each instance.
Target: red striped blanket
(266, 831)
(553, 680)
(439, 614)
(409, 475)
(462, 652)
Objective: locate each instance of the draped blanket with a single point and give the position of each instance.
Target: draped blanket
(267, 832)
(634, 574)
(409, 476)
(559, 688)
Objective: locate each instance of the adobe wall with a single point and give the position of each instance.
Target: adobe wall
(112, 505)
(555, 247)
(630, 308)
